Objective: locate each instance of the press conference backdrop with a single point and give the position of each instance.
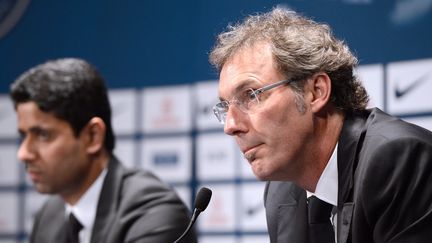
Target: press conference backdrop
(153, 55)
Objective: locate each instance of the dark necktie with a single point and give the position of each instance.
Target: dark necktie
(320, 227)
(72, 230)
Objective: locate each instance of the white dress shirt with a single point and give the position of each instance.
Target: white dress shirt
(327, 186)
(85, 209)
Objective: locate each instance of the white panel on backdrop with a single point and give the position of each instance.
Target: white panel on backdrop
(166, 109)
(206, 94)
(125, 151)
(217, 239)
(8, 121)
(220, 214)
(9, 165)
(255, 239)
(9, 212)
(372, 77)
(33, 202)
(184, 192)
(169, 158)
(216, 156)
(7, 241)
(123, 106)
(425, 122)
(252, 211)
(409, 86)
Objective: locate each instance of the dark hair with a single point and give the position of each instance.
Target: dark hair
(301, 47)
(71, 89)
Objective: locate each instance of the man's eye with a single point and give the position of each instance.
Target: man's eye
(252, 94)
(249, 95)
(224, 105)
(43, 135)
(21, 137)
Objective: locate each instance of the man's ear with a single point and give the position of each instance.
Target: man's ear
(320, 90)
(94, 134)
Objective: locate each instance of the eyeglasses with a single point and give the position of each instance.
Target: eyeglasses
(247, 101)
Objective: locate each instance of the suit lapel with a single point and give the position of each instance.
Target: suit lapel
(108, 202)
(286, 212)
(295, 219)
(49, 224)
(349, 145)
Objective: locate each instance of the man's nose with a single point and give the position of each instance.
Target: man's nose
(26, 151)
(235, 121)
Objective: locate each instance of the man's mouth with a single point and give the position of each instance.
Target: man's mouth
(250, 153)
(34, 175)
(247, 149)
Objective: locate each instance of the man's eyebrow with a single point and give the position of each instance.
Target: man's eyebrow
(37, 129)
(241, 87)
(33, 130)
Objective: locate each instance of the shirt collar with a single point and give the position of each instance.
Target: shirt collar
(85, 209)
(327, 186)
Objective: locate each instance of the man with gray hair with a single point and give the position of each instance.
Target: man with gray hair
(336, 170)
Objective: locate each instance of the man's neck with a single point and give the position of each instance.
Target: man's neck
(74, 193)
(327, 133)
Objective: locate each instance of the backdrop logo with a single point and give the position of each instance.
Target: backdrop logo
(165, 159)
(407, 12)
(206, 109)
(167, 116)
(252, 210)
(217, 156)
(10, 13)
(401, 92)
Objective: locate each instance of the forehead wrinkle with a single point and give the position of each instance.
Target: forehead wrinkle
(253, 63)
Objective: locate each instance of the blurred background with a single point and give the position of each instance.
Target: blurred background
(154, 57)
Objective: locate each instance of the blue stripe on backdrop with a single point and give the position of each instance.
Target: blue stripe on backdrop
(142, 43)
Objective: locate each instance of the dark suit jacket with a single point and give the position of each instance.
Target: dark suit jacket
(384, 194)
(134, 206)
(286, 213)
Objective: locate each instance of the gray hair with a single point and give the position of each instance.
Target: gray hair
(301, 47)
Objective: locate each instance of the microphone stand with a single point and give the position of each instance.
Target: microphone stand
(191, 223)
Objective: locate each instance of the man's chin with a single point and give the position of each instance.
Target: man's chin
(262, 175)
(42, 189)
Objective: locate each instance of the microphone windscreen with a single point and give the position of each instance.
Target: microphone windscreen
(203, 198)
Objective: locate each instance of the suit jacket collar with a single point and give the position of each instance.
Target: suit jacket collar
(57, 216)
(108, 201)
(350, 142)
(353, 131)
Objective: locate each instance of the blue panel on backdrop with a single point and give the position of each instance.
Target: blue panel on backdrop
(142, 43)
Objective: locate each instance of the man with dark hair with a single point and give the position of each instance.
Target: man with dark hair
(298, 113)
(67, 142)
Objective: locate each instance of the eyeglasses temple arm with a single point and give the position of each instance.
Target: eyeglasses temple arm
(271, 86)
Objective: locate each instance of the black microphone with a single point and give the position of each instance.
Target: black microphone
(201, 202)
